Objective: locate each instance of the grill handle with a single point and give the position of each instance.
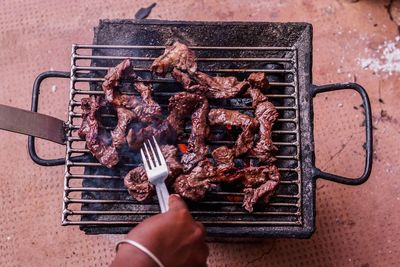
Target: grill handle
(368, 132)
(34, 108)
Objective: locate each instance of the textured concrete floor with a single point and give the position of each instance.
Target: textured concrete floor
(353, 41)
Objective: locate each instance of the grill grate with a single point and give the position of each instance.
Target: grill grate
(95, 195)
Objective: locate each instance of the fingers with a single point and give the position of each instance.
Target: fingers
(202, 228)
(175, 202)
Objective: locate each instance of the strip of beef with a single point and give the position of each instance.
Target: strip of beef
(266, 114)
(195, 184)
(152, 111)
(258, 80)
(112, 80)
(177, 56)
(182, 106)
(204, 176)
(234, 118)
(179, 60)
(212, 87)
(135, 139)
(125, 116)
(261, 183)
(95, 137)
(137, 182)
(219, 87)
(197, 149)
(128, 107)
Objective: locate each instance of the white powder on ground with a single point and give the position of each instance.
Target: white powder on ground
(386, 59)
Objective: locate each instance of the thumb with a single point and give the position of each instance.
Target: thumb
(175, 202)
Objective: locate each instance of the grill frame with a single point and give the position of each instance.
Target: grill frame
(309, 172)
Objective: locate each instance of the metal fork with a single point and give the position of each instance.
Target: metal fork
(156, 170)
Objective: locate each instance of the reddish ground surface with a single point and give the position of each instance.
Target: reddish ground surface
(353, 41)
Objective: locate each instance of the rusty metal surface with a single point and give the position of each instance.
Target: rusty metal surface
(356, 226)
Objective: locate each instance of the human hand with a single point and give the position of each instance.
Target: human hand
(173, 237)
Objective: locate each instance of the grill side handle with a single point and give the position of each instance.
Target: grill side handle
(368, 132)
(34, 108)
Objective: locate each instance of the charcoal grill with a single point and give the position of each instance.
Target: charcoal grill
(94, 196)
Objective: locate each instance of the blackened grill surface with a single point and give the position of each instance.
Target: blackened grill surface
(101, 204)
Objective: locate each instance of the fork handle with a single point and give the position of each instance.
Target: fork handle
(163, 195)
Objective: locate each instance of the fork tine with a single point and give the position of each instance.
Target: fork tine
(144, 159)
(160, 155)
(149, 157)
(155, 156)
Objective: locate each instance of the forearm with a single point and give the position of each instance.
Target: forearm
(130, 256)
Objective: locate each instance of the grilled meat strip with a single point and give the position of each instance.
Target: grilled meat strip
(177, 56)
(258, 80)
(128, 108)
(218, 87)
(94, 135)
(181, 106)
(266, 114)
(204, 176)
(179, 60)
(234, 118)
(137, 182)
(260, 183)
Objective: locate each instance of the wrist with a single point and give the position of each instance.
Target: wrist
(130, 256)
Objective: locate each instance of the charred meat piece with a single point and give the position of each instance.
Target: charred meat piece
(185, 105)
(256, 96)
(112, 80)
(187, 83)
(95, 137)
(128, 108)
(266, 114)
(177, 56)
(253, 192)
(135, 139)
(219, 87)
(137, 182)
(125, 116)
(152, 111)
(197, 149)
(145, 109)
(211, 87)
(195, 184)
(223, 155)
(179, 60)
(138, 185)
(258, 80)
(204, 176)
(234, 118)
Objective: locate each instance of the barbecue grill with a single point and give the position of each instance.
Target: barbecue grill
(95, 197)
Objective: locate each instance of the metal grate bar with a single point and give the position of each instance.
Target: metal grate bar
(216, 59)
(75, 47)
(132, 223)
